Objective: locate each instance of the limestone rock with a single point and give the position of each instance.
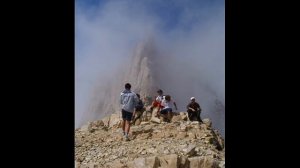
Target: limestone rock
(169, 161)
(176, 118)
(222, 164)
(190, 150)
(155, 120)
(150, 162)
(138, 121)
(207, 122)
(180, 144)
(203, 162)
(184, 162)
(181, 135)
(145, 123)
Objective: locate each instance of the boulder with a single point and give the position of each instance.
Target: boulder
(207, 122)
(169, 161)
(203, 162)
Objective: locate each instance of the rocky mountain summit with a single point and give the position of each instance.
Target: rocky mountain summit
(153, 144)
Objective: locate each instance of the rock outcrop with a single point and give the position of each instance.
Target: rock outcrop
(179, 144)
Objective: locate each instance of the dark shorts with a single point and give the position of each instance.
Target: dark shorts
(126, 115)
(165, 111)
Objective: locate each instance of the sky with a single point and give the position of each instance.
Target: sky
(190, 34)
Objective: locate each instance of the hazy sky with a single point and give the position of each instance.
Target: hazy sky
(189, 34)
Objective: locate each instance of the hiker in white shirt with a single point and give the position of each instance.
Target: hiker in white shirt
(167, 107)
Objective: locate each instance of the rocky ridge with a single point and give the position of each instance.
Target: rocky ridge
(155, 144)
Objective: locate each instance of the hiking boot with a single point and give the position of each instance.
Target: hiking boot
(126, 138)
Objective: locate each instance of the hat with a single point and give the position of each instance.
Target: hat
(192, 98)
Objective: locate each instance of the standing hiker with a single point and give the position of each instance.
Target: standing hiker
(128, 100)
(157, 102)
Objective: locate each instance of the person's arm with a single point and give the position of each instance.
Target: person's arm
(175, 105)
(133, 115)
(189, 107)
(199, 108)
(121, 99)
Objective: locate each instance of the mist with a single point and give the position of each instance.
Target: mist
(189, 38)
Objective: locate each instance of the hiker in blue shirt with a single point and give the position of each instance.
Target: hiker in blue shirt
(128, 100)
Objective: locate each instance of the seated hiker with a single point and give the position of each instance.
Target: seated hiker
(167, 105)
(139, 109)
(194, 110)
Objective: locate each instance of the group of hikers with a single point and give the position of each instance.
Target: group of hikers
(133, 108)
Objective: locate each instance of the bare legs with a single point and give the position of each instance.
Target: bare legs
(126, 127)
